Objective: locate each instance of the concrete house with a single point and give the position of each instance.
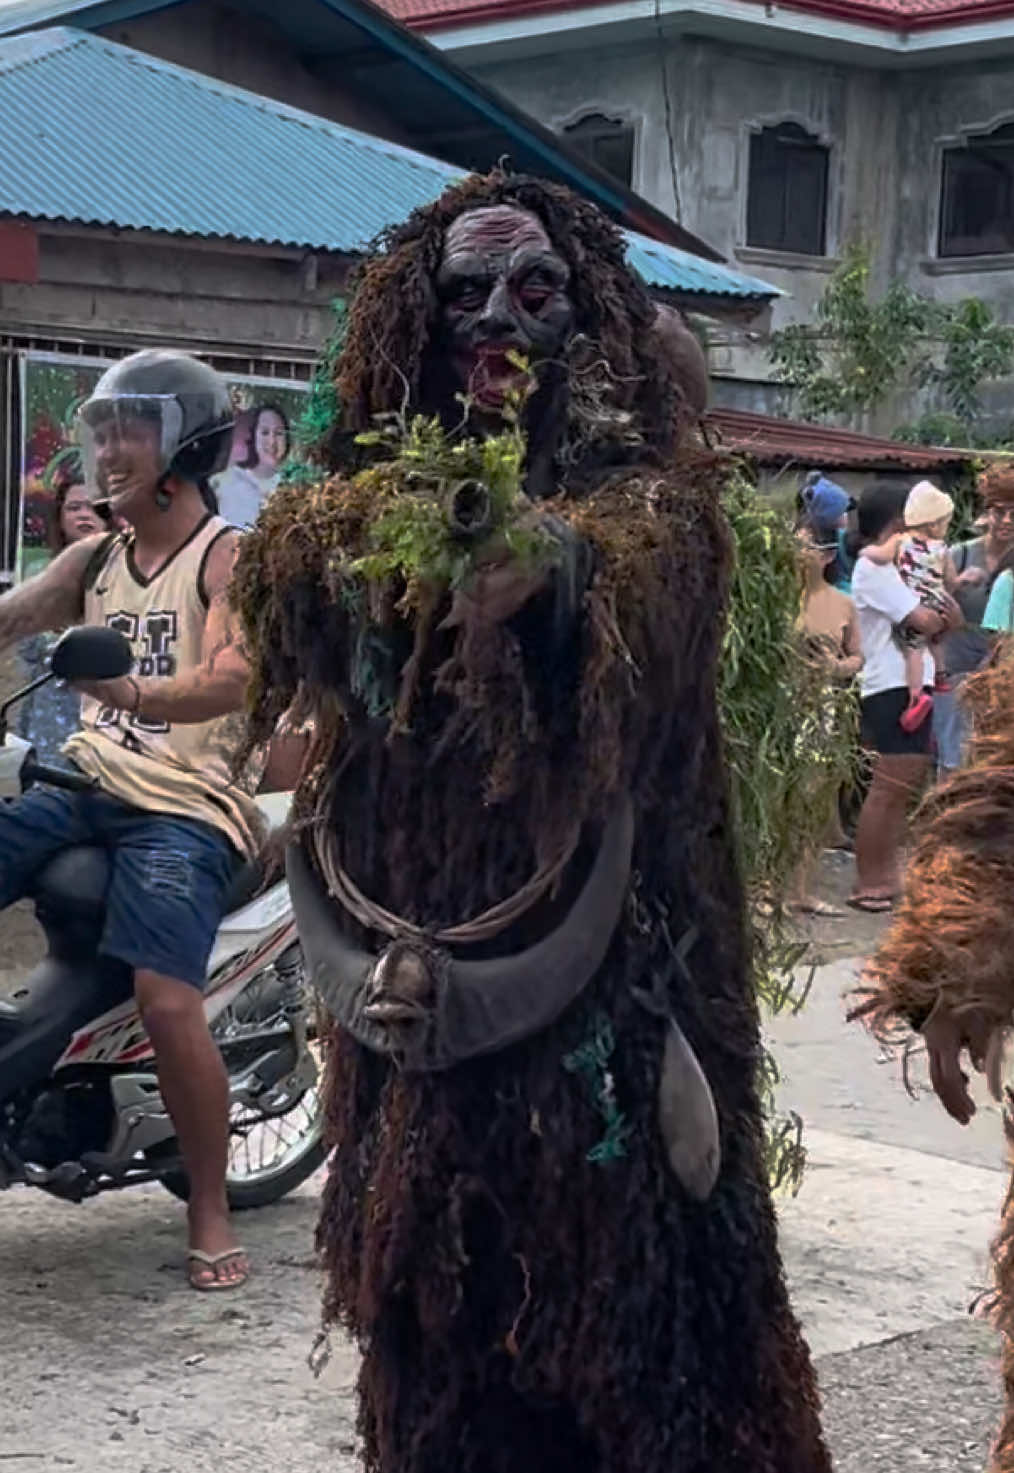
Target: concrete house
(207, 175)
(778, 131)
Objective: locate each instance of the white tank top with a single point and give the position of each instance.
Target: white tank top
(184, 769)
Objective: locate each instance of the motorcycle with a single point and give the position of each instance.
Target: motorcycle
(80, 1106)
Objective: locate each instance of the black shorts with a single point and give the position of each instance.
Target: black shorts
(879, 730)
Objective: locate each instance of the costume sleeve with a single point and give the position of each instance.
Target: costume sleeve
(660, 546)
(999, 615)
(952, 936)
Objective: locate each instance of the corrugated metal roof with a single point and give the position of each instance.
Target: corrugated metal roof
(106, 135)
(791, 442)
(667, 266)
(16, 14)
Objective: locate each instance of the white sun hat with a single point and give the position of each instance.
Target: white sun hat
(927, 503)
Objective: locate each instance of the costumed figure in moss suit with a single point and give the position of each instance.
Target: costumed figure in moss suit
(547, 1223)
(942, 977)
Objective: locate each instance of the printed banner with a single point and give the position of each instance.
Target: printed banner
(52, 491)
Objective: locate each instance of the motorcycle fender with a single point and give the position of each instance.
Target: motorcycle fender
(12, 759)
(245, 928)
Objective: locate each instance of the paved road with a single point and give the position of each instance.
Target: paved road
(111, 1363)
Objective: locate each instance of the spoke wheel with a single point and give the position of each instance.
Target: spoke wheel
(283, 1149)
(275, 1144)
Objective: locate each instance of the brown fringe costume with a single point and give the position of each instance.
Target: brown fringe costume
(530, 1285)
(952, 938)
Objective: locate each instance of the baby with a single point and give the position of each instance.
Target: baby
(920, 554)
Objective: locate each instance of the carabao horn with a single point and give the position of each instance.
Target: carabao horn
(480, 1006)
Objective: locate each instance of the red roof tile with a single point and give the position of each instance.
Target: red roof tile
(900, 15)
(818, 447)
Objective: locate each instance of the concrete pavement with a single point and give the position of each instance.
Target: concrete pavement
(111, 1363)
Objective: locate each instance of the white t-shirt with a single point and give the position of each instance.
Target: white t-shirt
(241, 494)
(882, 600)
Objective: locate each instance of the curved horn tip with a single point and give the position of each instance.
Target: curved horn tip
(687, 1117)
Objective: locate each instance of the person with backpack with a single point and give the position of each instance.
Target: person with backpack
(981, 581)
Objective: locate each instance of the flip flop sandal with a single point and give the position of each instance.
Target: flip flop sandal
(211, 1261)
(872, 905)
(821, 909)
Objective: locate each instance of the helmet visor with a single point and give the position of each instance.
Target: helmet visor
(128, 442)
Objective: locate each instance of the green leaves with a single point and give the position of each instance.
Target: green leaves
(859, 351)
(973, 349)
(790, 746)
(412, 538)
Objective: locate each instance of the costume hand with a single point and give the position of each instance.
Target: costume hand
(120, 694)
(946, 1037)
(494, 594)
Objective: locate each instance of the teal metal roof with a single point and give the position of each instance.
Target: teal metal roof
(669, 268)
(103, 134)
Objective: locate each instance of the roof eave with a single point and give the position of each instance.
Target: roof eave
(729, 306)
(896, 27)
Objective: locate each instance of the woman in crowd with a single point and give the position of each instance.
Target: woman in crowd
(828, 623)
(52, 713)
(825, 506)
(901, 758)
(243, 488)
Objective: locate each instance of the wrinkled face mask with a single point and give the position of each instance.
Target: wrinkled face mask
(503, 294)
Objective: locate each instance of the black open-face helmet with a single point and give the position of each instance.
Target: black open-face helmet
(185, 400)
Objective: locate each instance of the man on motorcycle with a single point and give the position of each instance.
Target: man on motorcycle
(159, 743)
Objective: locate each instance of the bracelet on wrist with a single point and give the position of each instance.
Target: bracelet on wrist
(135, 709)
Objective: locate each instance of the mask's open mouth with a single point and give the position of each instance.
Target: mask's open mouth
(495, 375)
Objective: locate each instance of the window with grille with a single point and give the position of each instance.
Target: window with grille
(607, 142)
(787, 191)
(977, 195)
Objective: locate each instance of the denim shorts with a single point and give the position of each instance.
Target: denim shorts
(168, 876)
(951, 724)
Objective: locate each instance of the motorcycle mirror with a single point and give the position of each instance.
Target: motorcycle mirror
(91, 653)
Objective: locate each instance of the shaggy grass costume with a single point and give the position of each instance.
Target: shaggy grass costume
(953, 936)
(530, 1284)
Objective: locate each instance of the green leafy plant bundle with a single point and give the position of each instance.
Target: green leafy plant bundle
(790, 740)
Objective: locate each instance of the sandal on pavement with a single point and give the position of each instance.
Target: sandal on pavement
(203, 1270)
(816, 908)
(873, 905)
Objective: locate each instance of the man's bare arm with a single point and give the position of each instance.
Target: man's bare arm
(215, 687)
(50, 600)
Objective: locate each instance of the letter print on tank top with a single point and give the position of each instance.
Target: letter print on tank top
(157, 632)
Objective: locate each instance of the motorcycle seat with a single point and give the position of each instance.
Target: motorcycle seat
(76, 881)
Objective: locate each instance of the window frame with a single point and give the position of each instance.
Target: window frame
(952, 144)
(621, 117)
(818, 139)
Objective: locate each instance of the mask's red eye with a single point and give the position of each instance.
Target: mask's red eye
(534, 297)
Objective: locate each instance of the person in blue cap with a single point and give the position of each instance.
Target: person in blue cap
(825, 506)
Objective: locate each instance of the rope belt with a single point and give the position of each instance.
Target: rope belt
(481, 928)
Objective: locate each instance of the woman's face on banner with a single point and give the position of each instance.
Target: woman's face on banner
(271, 439)
(78, 518)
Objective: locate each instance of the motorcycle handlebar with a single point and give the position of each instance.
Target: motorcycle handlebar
(57, 777)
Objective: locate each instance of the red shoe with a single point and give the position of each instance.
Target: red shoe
(912, 718)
